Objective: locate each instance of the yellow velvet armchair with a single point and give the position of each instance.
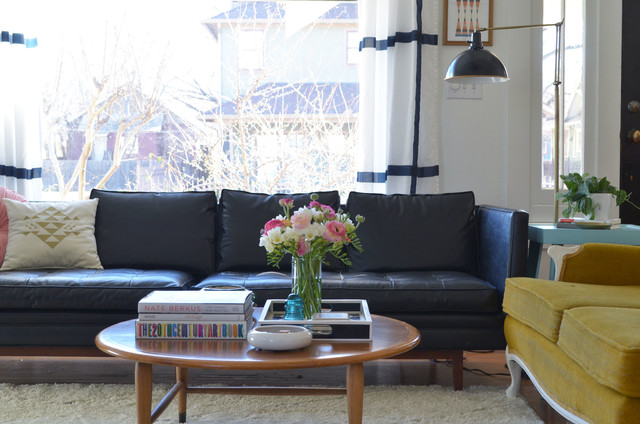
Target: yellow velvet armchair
(578, 339)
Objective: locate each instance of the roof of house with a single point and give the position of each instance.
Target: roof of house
(111, 126)
(299, 99)
(251, 10)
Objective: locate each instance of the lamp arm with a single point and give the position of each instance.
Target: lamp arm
(557, 24)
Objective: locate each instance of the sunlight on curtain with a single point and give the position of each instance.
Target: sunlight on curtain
(399, 96)
(20, 112)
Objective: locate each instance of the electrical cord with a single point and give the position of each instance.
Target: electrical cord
(448, 363)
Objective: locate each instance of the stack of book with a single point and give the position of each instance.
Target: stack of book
(197, 314)
(610, 224)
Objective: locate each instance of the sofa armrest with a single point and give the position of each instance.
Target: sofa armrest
(602, 263)
(557, 253)
(502, 244)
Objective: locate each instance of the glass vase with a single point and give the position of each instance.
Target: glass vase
(306, 281)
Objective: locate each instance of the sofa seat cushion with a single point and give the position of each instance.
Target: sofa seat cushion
(106, 289)
(605, 342)
(265, 285)
(56, 327)
(541, 303)
(419, 291)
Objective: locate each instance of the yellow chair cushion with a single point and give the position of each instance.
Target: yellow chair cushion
(605, 342)
(541, 303)
(566, 382)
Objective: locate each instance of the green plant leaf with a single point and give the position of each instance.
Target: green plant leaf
(580, 187)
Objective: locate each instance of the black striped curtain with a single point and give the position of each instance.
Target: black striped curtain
(20, 115)
(399, 96)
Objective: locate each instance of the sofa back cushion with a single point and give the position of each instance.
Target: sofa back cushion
(145, 230)
(241, 217)
(415, 232)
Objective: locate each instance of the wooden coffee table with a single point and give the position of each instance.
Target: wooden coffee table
(390, 337)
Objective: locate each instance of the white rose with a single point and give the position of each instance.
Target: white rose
(348, 225)
(317, 215)
(314, 230)
(275, 237)
(267, 244)
(290, 235)
(269, 247)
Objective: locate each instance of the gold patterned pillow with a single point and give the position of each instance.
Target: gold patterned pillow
(51, 235)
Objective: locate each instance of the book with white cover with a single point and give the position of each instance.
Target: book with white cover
(196, 302)
(150, 316)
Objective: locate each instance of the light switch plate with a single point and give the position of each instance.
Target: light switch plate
(464, 91)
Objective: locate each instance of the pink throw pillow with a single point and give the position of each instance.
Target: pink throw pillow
(5, 193)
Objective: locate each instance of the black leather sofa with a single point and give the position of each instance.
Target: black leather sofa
(438, 262)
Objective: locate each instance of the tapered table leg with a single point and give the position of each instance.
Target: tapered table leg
(182, 376)
(355, 392)
(457, 361)
(143, 379)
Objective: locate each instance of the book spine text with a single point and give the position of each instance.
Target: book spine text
(191, 330)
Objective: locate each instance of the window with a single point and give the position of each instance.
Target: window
(353, 46)
(571, 134)
(250, 49)
(250, 95)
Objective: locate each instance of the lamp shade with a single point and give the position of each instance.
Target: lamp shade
(476, 66)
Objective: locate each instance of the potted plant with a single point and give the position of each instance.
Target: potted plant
(580, 195)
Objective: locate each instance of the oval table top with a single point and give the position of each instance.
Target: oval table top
(390, 337)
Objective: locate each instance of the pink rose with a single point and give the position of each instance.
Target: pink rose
(300, 220)
(335, 231)
(328, 211)
(303, 247)
(274, 223)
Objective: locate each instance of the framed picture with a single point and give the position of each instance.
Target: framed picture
(462, 17)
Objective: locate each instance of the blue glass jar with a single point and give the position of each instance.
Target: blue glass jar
(294, 307)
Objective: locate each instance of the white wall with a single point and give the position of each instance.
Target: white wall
(486, 144)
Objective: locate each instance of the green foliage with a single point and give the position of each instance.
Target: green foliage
(579, 189)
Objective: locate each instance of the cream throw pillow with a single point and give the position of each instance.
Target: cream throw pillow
(51, 235)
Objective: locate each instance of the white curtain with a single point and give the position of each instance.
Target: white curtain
(399, 96)
(20, 116)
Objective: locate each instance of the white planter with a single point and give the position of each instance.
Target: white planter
(603, 203)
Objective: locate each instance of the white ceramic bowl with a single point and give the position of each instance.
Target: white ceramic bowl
(279, 337)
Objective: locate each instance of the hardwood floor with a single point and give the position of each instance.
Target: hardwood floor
(481, 368)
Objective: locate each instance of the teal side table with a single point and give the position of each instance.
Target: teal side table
(540, 234)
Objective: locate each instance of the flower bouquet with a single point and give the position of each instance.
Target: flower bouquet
(309, 234)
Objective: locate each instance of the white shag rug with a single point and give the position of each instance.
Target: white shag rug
(115, 404)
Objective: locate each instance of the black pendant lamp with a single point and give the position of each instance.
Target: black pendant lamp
(476, 65)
